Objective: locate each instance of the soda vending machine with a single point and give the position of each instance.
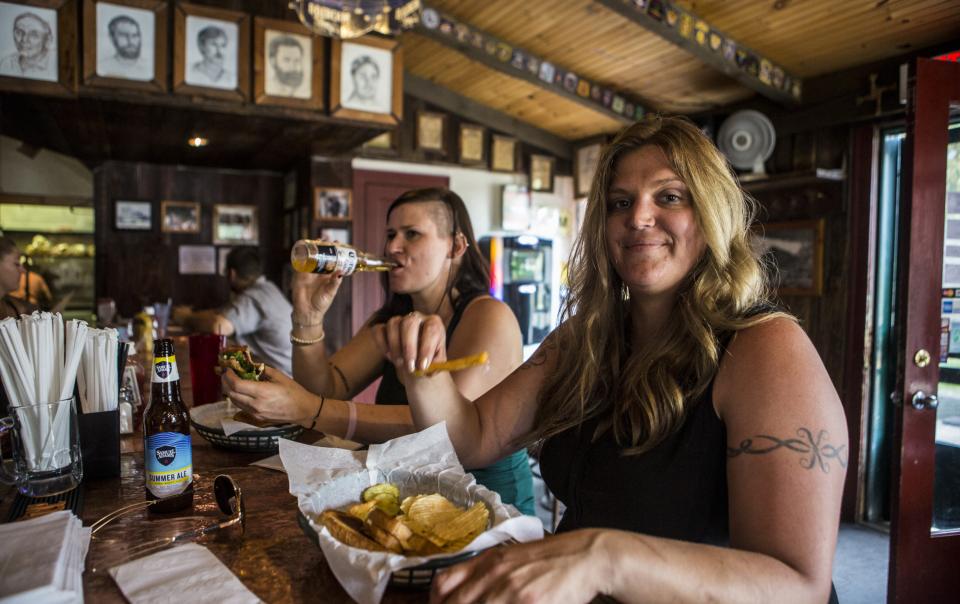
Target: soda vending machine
(521, 275)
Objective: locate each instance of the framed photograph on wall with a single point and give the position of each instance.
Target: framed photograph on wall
(133, 215)
(503, 153)
(331, 204)
(287, 64)
(516, 208)
(366, 79)
(211, 52)
(585, 160)
(541, 173)
(125, 44)
(431, 131)
(180, 217)
(795, 248)
(235, 224)
(473, 144)
(38, 46)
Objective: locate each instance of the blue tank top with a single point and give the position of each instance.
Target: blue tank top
(510, 476)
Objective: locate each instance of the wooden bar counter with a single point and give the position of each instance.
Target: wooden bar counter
(273, 558)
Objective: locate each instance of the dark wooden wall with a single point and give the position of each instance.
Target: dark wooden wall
(138, 267)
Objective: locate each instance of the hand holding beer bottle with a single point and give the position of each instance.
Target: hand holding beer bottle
(320, 268)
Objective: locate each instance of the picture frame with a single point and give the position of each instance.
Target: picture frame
(795, 248)
(288, 64)
(132, 215)
(332, 204)
(125, 44)
(235, 225)
(503, 153)
(53, 69)
(366, 80)
(197, 260)
(516, 208)
(211, 52)
(179, 217)
(431, 131)
(541, 173)
(384, 143)
(472, 144)
(586, 158)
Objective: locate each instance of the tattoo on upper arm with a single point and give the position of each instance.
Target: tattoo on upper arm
(343, 378)
(817, 451)
(540, 356)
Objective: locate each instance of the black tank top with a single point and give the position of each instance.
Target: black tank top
(676, 490)
(391, 391)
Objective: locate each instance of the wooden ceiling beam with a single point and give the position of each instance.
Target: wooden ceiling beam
(477, 112)
(715, 48)
(515, 62)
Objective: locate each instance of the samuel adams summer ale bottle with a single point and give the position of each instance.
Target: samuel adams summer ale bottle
(168, 458)
(316, 256)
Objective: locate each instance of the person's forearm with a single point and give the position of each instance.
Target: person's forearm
(435, 399)
(311, 368)
(677, 571)
(372, 423)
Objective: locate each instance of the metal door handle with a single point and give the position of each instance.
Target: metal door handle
(922, 400)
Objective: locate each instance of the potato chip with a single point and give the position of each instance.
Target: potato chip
(361, 510)
(465, 525)
(430, 510)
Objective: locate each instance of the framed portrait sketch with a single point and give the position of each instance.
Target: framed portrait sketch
(795, 249)
(331, 204)
(125, 44)
(180, 217)
(541, 173)
(337, 235)
(366, 79)
(473, 148)
(586, 159)
(211, 52)
(287, 64)
(431, 131)
(503, 154)
(133, 216)
(38, 46)
(235, 225)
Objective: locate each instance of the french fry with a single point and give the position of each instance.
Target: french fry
(455, 364)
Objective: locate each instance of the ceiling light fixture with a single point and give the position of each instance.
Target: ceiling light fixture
(347, 19)
(196, 141)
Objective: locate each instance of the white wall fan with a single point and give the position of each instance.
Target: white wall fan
(747, 139)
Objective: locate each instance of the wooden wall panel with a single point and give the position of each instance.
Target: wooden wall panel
(139, 267)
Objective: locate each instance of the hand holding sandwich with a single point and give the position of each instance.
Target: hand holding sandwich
(275, 397)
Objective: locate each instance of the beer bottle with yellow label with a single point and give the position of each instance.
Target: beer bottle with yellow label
(168, 458)
(317, 256)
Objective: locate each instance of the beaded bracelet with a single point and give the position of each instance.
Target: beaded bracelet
(302, 342)
(314, 422)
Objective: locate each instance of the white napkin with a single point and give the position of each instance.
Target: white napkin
(42, 559)
(424, 462)
(334, 442)
(181, 575)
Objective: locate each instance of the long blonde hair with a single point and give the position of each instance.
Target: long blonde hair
(645, 394)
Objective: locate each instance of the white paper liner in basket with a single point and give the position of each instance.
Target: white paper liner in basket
(424, 462)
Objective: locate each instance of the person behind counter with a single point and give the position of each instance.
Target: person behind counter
(257, 316)
(689, 426)
(11, 270)
(441, 271)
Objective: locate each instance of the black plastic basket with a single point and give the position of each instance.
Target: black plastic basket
(252, 441)
(416, 577)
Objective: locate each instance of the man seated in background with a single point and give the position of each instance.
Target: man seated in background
(11, 270)
(258, 314)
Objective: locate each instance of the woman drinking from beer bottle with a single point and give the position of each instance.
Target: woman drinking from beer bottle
(439, 271)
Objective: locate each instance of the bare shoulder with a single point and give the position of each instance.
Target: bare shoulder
(773, 370)
(488, 307)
